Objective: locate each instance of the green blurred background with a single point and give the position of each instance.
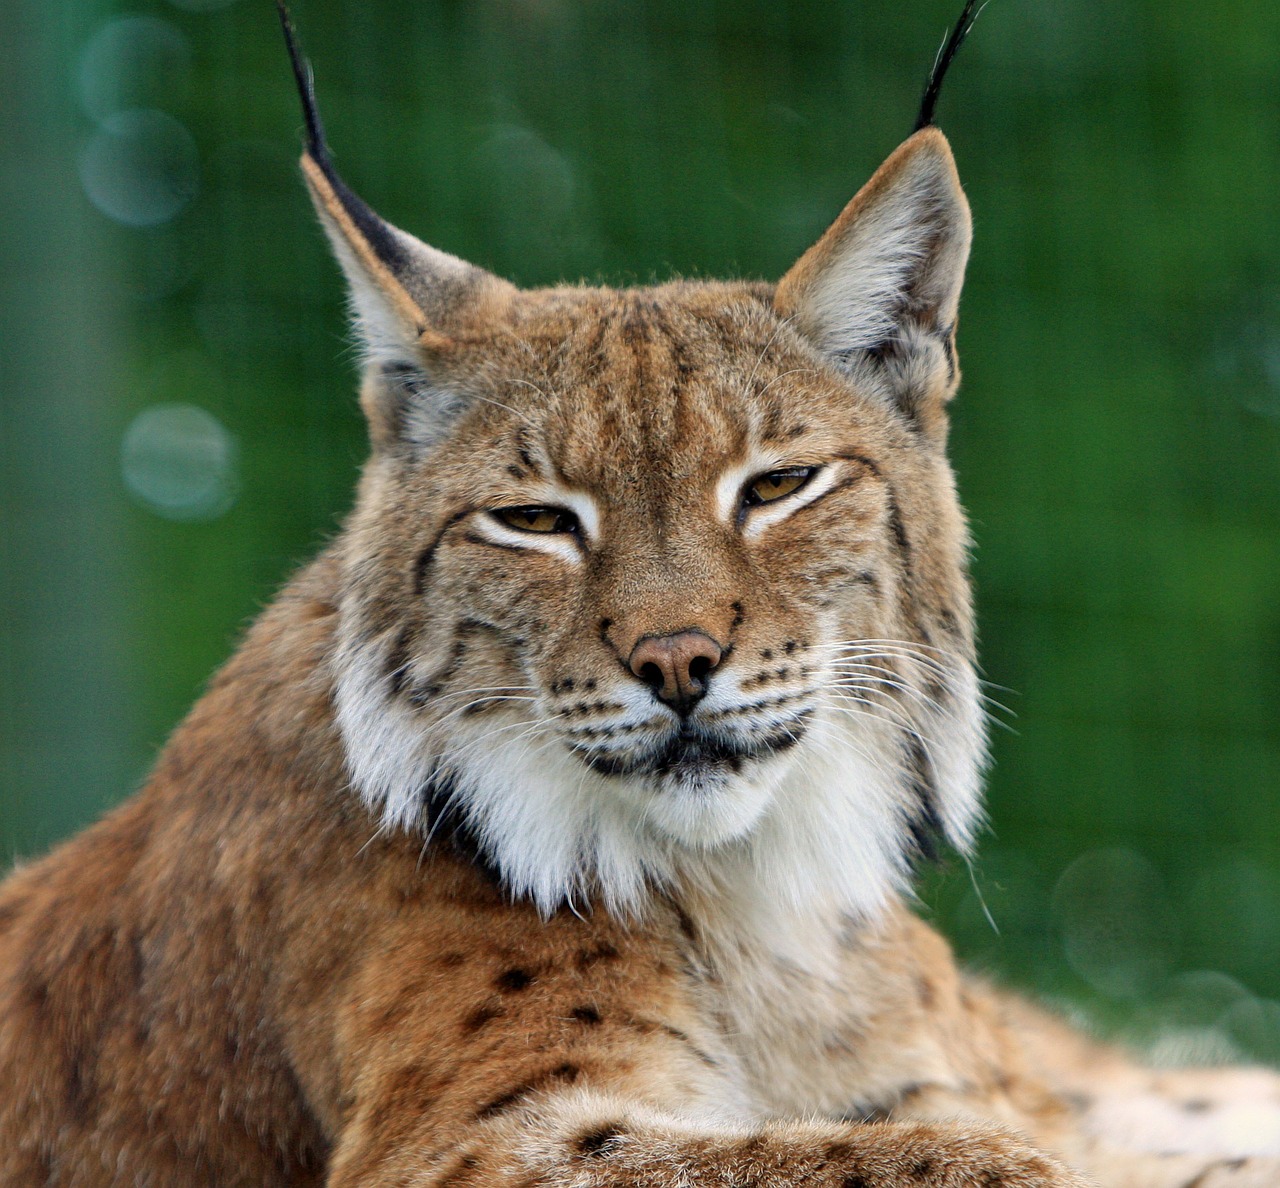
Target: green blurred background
(178, 427)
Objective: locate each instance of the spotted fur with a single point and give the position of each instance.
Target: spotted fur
(437, 886)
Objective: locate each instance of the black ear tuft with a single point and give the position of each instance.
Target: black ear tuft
(943, 61)
(316, 144)
(379, 236)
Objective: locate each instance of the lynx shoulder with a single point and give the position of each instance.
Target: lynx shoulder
(551, 828)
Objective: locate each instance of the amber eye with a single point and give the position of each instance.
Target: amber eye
(776, 484)
(537, 519)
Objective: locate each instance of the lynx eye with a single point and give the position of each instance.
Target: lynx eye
(777, 484)
(537, 519)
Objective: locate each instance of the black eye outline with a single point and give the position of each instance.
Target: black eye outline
(566, 523)
(750, 499)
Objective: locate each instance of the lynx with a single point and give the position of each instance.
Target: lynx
(553, 827)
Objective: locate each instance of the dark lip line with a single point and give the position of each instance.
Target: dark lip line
(666, 760)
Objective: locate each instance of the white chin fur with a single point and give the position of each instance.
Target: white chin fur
(710, 812)
(824, 822)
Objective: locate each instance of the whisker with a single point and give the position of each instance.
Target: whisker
(880, 715)
(760, 358)
(776, 378)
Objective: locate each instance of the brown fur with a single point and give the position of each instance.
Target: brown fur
(244, 977)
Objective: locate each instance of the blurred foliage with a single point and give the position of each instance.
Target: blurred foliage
(178, 428)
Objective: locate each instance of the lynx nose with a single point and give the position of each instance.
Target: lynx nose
(676, 667)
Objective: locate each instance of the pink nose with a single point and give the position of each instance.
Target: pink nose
(676, 667)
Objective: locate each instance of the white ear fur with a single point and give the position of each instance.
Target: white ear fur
(390, 330)
(892, 262)
(407, 300)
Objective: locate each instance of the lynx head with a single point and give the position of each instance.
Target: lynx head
(666, 583)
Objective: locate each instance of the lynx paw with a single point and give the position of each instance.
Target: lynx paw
(938, 1157)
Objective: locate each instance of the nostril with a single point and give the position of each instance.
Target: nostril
(676, 667)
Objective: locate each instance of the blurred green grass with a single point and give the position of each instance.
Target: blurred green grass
(1117, 436)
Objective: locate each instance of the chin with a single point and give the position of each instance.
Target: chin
(705, 805)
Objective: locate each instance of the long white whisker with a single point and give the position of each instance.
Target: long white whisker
(760, 359)
(776, 378)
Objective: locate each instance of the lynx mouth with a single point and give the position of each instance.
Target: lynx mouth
(692, 755)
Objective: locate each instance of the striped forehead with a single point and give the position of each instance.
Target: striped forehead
(648, 386)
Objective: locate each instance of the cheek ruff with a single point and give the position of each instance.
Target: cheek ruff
(825, 807)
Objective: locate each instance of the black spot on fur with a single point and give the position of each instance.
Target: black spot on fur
(80, 1089)
(922, 1169)
(504, 1101)
(598, 953)
(599, 1141)
(588, 1016)
(480, 1018)
(512, 981)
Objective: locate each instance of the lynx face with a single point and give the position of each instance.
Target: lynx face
(666, 583)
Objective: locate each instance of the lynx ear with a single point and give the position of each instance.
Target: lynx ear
(408, 299)
(879, 292)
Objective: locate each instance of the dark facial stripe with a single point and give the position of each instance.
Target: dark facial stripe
(427, 556)
(397, 664)
(896, 526)
(683, 369)
(899, 531)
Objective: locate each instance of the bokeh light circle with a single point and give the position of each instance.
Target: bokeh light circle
(1117, 931)
(179, 461)
(141, 168)
(132, 62)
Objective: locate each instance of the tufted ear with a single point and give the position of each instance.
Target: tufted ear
(408, 300)
(879, 292)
